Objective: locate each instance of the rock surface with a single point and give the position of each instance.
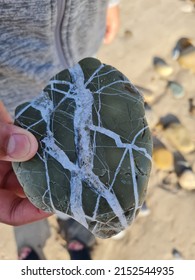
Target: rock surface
(184, 52)
(163, 158)
(176, 89)
(179, 137)
(161, 67)
(187, 180)
(94, 156)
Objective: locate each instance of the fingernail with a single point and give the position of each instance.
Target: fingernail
(18, 146)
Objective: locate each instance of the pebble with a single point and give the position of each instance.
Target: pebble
(191, 107)
(176, 89)
(163, 158)
(171, 179)
(148, 94)
(187, 180)
(161, 67)
(184, 53)
(176, 254)
(179, 137)
(128, 34)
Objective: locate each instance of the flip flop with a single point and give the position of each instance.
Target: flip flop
(78, 250)
(72, 230)
(27, 253)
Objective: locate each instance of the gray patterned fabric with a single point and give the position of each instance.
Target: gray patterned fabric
(40, 38)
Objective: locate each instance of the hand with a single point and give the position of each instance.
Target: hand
(112, 24)
(16, 144)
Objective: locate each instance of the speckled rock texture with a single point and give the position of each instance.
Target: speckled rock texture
(94, 156)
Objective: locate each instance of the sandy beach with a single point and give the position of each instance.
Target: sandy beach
(148, 29)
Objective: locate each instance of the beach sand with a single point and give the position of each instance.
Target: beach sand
(149, 29)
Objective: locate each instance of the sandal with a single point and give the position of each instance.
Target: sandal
(78, 250)
(72, 230)
(27, 253)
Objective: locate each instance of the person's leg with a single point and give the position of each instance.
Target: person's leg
(79, 239)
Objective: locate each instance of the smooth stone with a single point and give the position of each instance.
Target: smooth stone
(179, 137)
(163, 158)
(176, 89)
(180, 163)
(148, 94)
(184, 53)
(191, 107)
(187, 180)
(176, 254)
(187, 59)
(161, 67)
(128, 34)
(95, 146)
(171, 179)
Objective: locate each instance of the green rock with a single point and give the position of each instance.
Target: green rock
(176, 89)
(94, 156)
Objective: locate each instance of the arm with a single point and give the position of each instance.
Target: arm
(112, 21)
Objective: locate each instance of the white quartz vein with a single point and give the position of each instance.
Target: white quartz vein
(76, 199)
(93, 75)
(82, 123)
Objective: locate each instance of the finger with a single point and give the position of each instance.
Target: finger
(18, 211)
(9, 182)
(8, 179)
(5, 168)
(16, 144)
(4, 115)
(13, 185)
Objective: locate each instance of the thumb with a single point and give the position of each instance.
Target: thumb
(16, 144)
